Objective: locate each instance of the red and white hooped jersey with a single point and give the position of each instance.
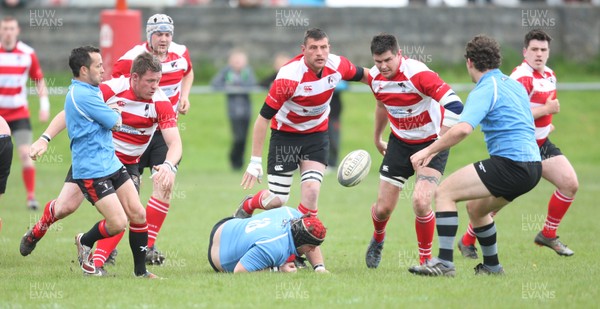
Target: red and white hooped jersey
(174, 68)
(16, 67)
(539, 88)
(411, 99)
(302, 98)
(143, 115)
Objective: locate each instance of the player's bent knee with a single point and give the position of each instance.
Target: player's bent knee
(137, 215)
(116, 225)
(422, 204)
(571, 187)
(475, 211)
(382, 210)
(63, 210)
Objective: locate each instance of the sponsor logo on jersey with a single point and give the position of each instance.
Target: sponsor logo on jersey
(315, 111)
(330, 81)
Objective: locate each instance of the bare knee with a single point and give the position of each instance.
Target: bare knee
(383, 209)
(570, 187)
(116, 225)
(137, 214)
(422, 204)
(63, 208)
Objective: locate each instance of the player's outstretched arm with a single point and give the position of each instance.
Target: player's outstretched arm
(40, 146)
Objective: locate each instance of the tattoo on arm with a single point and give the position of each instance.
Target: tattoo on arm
(431, 179)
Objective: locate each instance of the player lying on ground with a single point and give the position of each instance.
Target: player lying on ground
(269, 240)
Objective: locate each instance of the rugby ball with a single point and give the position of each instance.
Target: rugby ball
(354, 168)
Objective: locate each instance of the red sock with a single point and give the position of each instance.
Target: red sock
(47, 219)
(255, 202)
(104, 247)
(557, 207)
(425, 227)
(305, 210)
(29, 180)
(156, 212)
(379, 225)
(469, 238)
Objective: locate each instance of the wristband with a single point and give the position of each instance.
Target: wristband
(171, 166)
(44, 104)
(257, 160)
(46, 137)
(317, 266)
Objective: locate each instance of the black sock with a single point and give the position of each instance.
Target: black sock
(486, 235)
(446, 223)
(138, 241)
(97, 232)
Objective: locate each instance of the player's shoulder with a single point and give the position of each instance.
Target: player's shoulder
(411, 67)
(24, 48)
(116, 85)
(160, 96)
(333, 61)
(549, 70)
(293, 70)
(374, 72)
(523, 70)
(134, 52)
(178, 49)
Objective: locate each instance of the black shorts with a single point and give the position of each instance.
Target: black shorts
(132, 170)
(507, 178)
(6, 154)
(20, 124)
(155, 154)
(97, 188)
(286, 150)
(396, 163)
(210, 240)
(549, 150)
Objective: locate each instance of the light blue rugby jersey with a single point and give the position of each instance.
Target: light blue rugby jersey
(501, 105)
(89, 121)
(264, 240)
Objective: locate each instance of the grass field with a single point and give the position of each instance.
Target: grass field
(206, 191)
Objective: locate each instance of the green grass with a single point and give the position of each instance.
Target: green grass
(207, 190)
